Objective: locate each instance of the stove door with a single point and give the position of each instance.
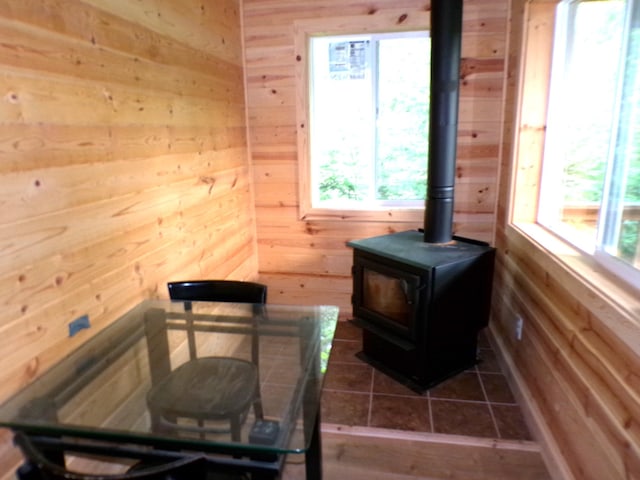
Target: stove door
(388, 297)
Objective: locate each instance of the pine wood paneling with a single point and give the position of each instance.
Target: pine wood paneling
(577, 361)
(123, 162)
(269, 34)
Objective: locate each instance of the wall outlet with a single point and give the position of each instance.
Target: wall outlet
(519, 325)
(78, 324)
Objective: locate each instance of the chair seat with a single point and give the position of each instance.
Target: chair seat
(206, 388)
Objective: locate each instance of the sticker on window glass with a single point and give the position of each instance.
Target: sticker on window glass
(348, 60)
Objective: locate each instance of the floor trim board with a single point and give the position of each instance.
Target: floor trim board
(549, 449)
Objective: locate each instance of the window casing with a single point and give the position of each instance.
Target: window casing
(348, 29)
(369, 138)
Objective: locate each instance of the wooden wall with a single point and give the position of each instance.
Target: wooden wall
(305, 260)
(123, 164)
(578, 360)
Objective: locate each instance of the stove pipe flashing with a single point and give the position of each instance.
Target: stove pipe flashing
(446, 39)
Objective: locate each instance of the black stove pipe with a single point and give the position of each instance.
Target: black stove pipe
(446, 39)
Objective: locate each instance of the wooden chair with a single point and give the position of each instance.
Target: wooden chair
(38, 467)
(189, 391)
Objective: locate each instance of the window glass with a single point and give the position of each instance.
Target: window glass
(590, 189)
(619, 227)
(369, 138)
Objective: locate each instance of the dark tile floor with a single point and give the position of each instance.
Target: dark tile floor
(477, 402)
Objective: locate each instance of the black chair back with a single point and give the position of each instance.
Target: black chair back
(230, 291)
(218, 291)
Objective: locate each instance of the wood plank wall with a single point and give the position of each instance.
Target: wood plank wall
(307, 260)
(123, 164)
(578, 360)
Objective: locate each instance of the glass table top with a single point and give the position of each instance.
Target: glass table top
(100, 390)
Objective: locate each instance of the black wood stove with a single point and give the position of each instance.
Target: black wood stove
(421, 305)
(421, 297)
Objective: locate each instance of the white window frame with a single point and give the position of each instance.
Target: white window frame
(612, 201)
(304, 30)
(371, 175)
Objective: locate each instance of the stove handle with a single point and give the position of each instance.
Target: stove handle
(411, 292)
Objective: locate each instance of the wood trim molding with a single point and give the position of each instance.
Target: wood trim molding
(365, 452)
(555, 462)
(303, 31)
(536, 55)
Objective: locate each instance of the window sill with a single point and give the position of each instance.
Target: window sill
(613, 301)
(396, 215)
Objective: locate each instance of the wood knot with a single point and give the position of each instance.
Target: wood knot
(402, 18)
(32, 367)
(12, 97)
(310, 229)
(467, 67)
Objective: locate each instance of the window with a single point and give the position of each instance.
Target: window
(590, 182)
(368, 139)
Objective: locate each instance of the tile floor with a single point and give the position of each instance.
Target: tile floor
(477, 402)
